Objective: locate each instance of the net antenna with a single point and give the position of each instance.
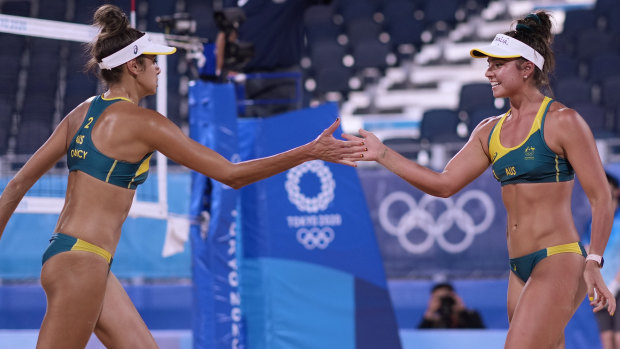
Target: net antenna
(40, 202)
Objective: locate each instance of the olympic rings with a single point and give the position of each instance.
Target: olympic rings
(418, 217)
(315, 237)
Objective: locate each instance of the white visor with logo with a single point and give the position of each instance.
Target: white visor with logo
(504, 46)
(142, 46)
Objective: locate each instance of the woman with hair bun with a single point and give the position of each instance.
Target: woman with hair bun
(534, 149)
(108, 141)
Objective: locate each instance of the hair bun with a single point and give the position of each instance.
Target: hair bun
(110, 19)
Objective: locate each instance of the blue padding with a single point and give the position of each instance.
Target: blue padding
(217, 316)
(297, 305)
(375, 321)
(451, 339)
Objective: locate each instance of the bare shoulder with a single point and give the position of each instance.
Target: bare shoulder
(564, 126)
(139, 116)
(483, 129)
(560, 115)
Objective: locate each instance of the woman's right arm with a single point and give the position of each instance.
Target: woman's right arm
(469, 163)
(162, 135)
(43, 159)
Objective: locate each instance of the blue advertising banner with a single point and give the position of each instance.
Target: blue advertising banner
(217, 319)
(312, 275)
(463, 236)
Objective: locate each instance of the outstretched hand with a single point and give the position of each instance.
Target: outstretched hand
(374, 147)
(599, 295)
(326, 147)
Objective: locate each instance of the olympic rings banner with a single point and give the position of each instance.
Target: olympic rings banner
(464, 236)
(423, 236)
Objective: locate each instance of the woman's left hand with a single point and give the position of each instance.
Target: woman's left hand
(326, 147)
(598, 294)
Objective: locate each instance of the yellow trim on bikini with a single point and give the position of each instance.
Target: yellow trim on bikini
(113, 98)
(495, 146)
(571, 247)
(82, 245)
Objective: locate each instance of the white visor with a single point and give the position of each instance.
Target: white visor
(142, 46)
(504, 46)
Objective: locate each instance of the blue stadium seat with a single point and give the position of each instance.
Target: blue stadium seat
(16, 8)
(440, 125)
(370, 54)
(325, 53)
(610, 92)
(565, 67)
(616, 121)
(564, 44)
(475, 116)
(577, 21)
(32, 134)
(405, 146)
(401, 24)
(572, 91)
(602, 7)
(39, 107)
(84, 10)
(354, 9)
(362, 29)
(603, 66)
(476, 95)
(319, 24)
(9, 74)
(78, 88)
(443, 11)
(53, 10)
(334, 78)
(611, 18)
(6, 113)
(597, 119)
(594, 41)
(15, 42)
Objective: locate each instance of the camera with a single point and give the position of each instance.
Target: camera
(446, 303)
(178, 23)
(229, 19)
(236, 53)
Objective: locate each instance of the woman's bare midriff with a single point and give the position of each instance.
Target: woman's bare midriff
(94, 211)
(539, 216)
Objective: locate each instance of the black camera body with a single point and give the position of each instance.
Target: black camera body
(236, 53)
(178, 23)
(446, 305)
(229, 19)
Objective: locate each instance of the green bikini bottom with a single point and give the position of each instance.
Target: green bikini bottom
(523, 266)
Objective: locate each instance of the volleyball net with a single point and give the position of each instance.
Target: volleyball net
(47, 195)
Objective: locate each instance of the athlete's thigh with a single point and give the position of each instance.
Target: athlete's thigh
(120, 325)
(548, 301)
(74, 284)
(515, 286)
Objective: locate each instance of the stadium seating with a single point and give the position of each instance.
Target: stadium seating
(474, 96)
(573, 90)
(368, 30)
(440, 125)
(597, 118)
